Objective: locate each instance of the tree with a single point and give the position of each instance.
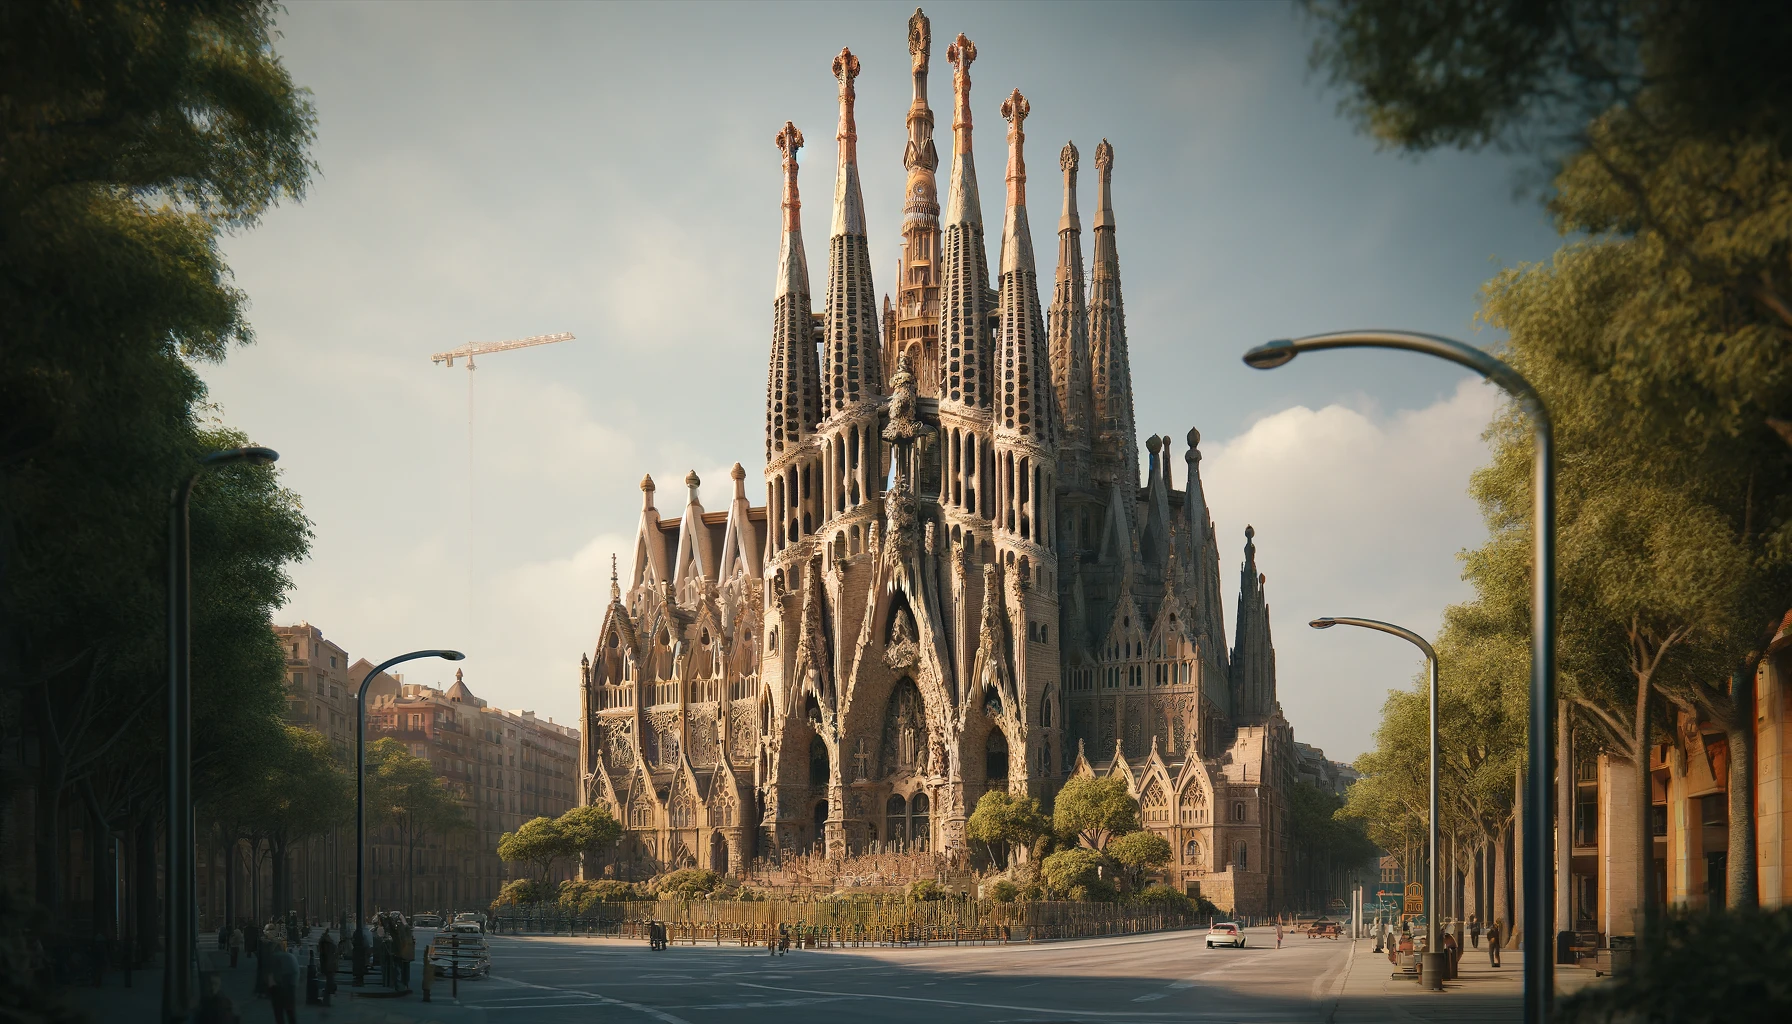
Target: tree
(1095, 810)
(539, 842)
(1139, 853)
(134, 136)
(305, 792)
(1076, 874)
(1003, 822)
(590, 830)
(404, 792)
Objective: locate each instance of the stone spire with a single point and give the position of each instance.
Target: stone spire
(852, 371)
(1068, 337)
(1117, 445)
(912, 327)
(964, 267)
(1204, 555)
(793, 392)
(1253, 656)
(1023, 406)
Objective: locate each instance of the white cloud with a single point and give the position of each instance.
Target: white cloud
(1356, 514)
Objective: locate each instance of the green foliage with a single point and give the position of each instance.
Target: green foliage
(581, 895)
(1702, 968)
(1003, 891)
(1139, 854)
(925, 891)
(403, 790)
(1076, 874)
(1095, 810)
(591, 827)
(524, 892)
(1003, 821)
(1162, 895)
(1427, 73)
(687, 884)
(539, 842)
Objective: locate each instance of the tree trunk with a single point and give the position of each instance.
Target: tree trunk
(1471, 882)
(231, 860)
(1500, 907)
(1741, 889)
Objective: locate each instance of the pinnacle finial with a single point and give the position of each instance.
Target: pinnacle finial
(920, 41)
(693, 481)
(1194, 439)
(615, 586)
(846, 68)
(1153, 443)
(647, 492)
(1069, 159)
(1104, 159)
(1015, 109)
(790, 140)
(960, 55)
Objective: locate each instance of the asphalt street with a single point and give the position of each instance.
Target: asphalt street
(1145, 978)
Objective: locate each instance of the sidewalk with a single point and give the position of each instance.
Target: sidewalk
(1480, 992)
(143, 1001)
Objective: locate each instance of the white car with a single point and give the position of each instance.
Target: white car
(1225, 933)
(460, 951)
(476, 920)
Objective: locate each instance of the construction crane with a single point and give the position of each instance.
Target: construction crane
(468, 351)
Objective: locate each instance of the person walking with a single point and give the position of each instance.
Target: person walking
(1493, 943)
(404, 950)
(1453, 950)
(328, 953)
(283, 985)
(1278, 934)
(1474, 931)
(783, 939)
(236, 945)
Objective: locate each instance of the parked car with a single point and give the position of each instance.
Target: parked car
(477, 920)
(1225, 933)
(460, 950)
(426, 921)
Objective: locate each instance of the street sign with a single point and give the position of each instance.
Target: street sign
(1414, 904)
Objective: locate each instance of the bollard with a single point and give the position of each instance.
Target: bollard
(1432, 966)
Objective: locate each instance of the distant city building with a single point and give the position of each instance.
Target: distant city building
(506, 766)
(1316, 770)
(959, 582)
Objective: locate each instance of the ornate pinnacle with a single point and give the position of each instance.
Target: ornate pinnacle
(1069, 159)
(1104, 181)
(960, 55)
(1104, 160)
(920, 41)
(1015, 109)
(846, 68)
(790, 140)
(615, 587)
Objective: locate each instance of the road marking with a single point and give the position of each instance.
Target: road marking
(1149, 996)
(660, 1015)
(1059, 1011)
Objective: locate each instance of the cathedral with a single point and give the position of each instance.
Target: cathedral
(959, 581)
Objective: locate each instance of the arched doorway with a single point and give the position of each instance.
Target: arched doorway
(995, 758)
(821, 822)
(921, 835)
(718, 853)
(818, 762)
(896, 820)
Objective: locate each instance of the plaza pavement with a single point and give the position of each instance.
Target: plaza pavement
(1139, 979)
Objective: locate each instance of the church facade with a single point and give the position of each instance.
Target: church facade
(960, 581)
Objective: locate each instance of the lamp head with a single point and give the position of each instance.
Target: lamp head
(1323, 623)
(450, 655)
(248, 453)
(1270, 355)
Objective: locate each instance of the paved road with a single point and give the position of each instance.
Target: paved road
(1145, 979)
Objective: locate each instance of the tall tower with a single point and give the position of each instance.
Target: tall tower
(793, 391)
(1072, 378)
(852, 369)
(915, 329)
(1116, 442)
(1253, 655)
(967, 478)
(1025, 449)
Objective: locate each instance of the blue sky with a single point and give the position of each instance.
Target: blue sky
(492, 171)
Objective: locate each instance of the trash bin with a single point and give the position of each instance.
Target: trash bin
(1623, 949)
(1432, 967)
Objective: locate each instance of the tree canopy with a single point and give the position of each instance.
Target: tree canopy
(1094, 811)
(1002, 822)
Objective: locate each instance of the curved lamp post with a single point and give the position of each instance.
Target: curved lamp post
(1432, 949)
(180, 925)
(1539, 969)
(361, 791)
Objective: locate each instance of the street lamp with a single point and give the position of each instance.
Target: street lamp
(1539, 967)
(362, 940)
(1431, 947)
(180, 927)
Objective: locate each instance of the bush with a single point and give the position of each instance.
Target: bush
(582, 896)
(524, 892)
(688, 884)
(1161, 894)
(1032, 892)
(1077, 874)
(1701, 967)
(925, 891)
(1003, 891)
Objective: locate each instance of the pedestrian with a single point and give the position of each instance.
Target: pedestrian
(783, 939)
(1474, 931)
(1453, 950)
(283, 986)
(328, 952)
(1493, 943)
(1278, 933)
(224, 936)
(404, 950)
(236, 944)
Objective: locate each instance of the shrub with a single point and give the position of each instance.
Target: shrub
(1077, 874)
(688, 884)
(1161, 894)
(582, 896)
(1032, 891)
(1004, 891)
(925, 891)
(1702, 967)
(524, 892)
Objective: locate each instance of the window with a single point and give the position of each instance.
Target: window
(1191, 852)
(1243, 861)
(1238, 811)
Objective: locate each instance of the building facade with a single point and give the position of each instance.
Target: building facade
(960, 580)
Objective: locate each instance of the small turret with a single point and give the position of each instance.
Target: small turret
(1253, 655)
(852, 371)
(793, 392)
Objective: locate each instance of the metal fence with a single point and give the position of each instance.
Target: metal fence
(853, 921)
